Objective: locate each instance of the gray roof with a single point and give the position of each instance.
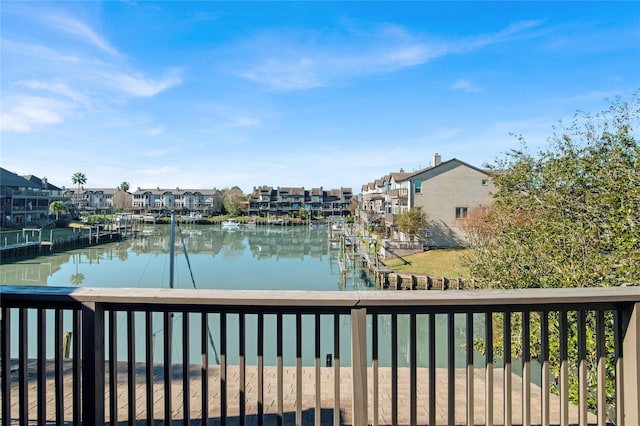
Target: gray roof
(42, 183)
(11, 179)
(176, 191)
(443, 167)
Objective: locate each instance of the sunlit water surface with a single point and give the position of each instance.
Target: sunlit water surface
(262, 257)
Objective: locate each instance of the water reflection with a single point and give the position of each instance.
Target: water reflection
(251, 257)
(271, 258)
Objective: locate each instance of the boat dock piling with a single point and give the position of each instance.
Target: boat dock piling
(355, 252)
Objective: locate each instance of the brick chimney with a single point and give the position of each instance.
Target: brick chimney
(437, 159)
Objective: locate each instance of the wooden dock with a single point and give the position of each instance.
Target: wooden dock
(36, 248)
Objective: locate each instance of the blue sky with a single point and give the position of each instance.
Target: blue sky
(334, 94)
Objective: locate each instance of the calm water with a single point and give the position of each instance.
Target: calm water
(266, 258)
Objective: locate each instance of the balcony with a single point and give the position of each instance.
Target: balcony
(399, 193)
(114, 374)
(32, 194)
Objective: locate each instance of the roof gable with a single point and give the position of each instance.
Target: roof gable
(444, 167)
(11, 179)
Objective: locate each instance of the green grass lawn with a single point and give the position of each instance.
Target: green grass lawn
(436, 263)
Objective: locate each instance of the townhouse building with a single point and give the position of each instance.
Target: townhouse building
(267, 201)
(445, 191)
(99, 200)
(207, 202)
(25, 200)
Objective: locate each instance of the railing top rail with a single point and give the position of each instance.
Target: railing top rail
(320, 299)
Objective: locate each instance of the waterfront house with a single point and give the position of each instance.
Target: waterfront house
(99, 200)
(445, 191)
(25, 200)
(285, 201)
(207, 202)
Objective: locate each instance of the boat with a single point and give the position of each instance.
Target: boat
(193, 217)
(230, 224)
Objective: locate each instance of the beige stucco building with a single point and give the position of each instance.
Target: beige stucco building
(445, 191)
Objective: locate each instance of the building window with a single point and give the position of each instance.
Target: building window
(461, 212)
(485, 182)
(418, 186)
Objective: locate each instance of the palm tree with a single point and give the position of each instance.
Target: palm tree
(76, 279)
(80, 179)
(124, 186)
(57, 207)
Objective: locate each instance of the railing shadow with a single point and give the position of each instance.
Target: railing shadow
(288, 418)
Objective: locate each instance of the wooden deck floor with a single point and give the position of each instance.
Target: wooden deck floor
(289, 396)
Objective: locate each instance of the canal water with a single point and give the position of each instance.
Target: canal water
(249, 258)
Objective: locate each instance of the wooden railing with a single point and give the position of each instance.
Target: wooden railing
(472, 357)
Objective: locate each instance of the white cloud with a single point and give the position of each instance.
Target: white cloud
(155, 131)
(465, 85)
(82, 31)
(309, 60)
(516, 30)
(38, 51)
(58, 88)
(141, 86)
(22, 114)
(282, 74)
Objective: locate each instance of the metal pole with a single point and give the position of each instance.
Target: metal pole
(172, 244)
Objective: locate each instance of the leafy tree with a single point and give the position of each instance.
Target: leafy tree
(124, 186)
(234, 201)
(78, 178)
(411, 222)
(570, 215)
(57, 207)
